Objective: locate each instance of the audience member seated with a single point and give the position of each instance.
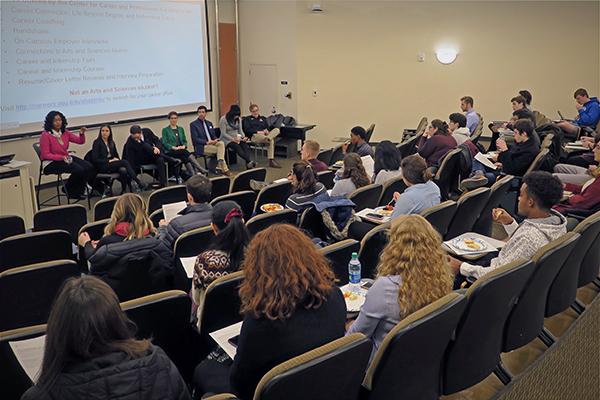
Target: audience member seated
(583, 158)
(358, 143)
(309, 152)
(305, 186)
(175, 144)
(233, 135)
(140, 150)
(105, 158)
(290, 306)
(586, 196)
(588, 113)
(520, 103)
(206, 142)
(387, 162)
(225, 253)
(351, 176)
(413, 272)
(256, 127)
(435, 143)
(421, 192)
(458, 128)
(539, 192)
(91, 351)
(466, 105)
(196, 215)
(520, 111)
(513, 160)
(129, 235)
(55, 157)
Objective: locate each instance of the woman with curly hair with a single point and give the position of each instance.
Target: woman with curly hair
(413, 272)
(290, 306)
(353, 176)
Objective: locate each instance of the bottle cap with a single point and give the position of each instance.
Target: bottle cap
(354, 255)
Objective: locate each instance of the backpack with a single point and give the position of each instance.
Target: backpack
(275, 121)
(289, 121)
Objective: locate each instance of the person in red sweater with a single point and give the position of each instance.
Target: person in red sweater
(586, 196)
(436, 142)
(55, 157)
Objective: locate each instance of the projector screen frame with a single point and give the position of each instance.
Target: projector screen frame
(37, 133)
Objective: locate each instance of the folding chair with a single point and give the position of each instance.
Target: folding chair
(440, 216)
(483, 225)
(35, 247)
(59, 182)
(69, 218)
(339, 255)
(326, 178)
(468, 209)
(371, 247)
(245, 199)
(103, 208)
(448, 174)
(273, 193)
(366, 196)
(263, 221)
(220, 186)
(241, 181)
(168, 195)
(391, 186)
(11, 225)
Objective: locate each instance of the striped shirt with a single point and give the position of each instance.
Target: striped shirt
(299, 201)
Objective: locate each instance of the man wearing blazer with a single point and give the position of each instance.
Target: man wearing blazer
(206, 142)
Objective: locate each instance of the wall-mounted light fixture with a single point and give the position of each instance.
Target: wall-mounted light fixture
(446, 55)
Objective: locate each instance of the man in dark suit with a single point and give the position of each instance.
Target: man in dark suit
(206, 142)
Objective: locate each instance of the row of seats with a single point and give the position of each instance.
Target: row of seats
(448, 346)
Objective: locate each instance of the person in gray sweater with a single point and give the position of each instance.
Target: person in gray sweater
(539, 193)
(233, 135)
(351, 177)
(196, 215)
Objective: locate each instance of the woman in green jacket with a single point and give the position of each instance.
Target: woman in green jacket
(175, 143)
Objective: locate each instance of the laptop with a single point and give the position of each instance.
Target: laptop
(6, 159)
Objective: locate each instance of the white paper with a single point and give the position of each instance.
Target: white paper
(188, 265)
(354, 305)
(16, 164)
(170, 210)
(485, 161)
(280, 180)
(222, 337)
(369, 165)
(363, 215)
(30, 354)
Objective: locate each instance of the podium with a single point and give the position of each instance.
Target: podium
(17, 194)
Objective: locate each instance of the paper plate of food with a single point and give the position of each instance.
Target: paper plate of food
(354, 300)
(472, 244)
(385, 211)
(271, 207)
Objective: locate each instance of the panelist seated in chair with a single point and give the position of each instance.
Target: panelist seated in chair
(105, 158)
(232, 134)
(55, 157)
(290, 305)
(129, 235)
(175, 144)
(196, 214)
(257, 128)
(91, 351)
(140, 149)
(539, 192)
(206, 142)
(358, 143)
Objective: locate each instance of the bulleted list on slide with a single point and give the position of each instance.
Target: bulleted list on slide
(99, 58)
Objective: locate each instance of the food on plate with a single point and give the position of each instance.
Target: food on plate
(350, 296)
(385, 212)
(472, 244)
(270, 207)
(497, 213)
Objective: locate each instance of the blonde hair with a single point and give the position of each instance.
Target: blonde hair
(130, 208)
(312, 146)
(414, 252)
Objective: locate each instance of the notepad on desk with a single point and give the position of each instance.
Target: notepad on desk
(29, 353)
(171, 210)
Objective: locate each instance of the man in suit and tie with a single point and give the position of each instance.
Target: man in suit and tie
(206, 142)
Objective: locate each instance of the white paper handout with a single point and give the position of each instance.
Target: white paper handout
(369, 165)
(280, 180)
(30, 354)
(188, 265)
(222, 337)
(485, 161)
(170, 210)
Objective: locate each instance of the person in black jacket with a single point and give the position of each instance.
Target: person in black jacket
(128, 238)
(290, 306)
(105, 158)
(91, 351)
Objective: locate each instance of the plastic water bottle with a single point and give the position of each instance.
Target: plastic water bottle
(354, 272)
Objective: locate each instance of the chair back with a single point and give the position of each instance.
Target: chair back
(242, 180)
(273, 193)
(478, 130)
(526, 319)
(325, 156)
(483, 225)
(69, 218)
(339, 255)
(369, 133)
(337, 154)
(408, 362)
(245, 199)
(326, 178)
(35, 247)
(547, 141)
(13, 379)
(537, 161)
(371, 247)
(366, 196)
(194, 242)
(440, 216)
(468, 208)
(591, 261)
(312, 223)
(96, 231)
(27, 293)
(263, 221)
(11, 225)
(563, 290)
(164, 318)
(220, 186)
(391, 186)
(448, 174)
(103, 208)
(168, 195)
(421, 127)
(321, 367)
(475, 351)
(409, 146)
(38, 151)
(156, 216)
